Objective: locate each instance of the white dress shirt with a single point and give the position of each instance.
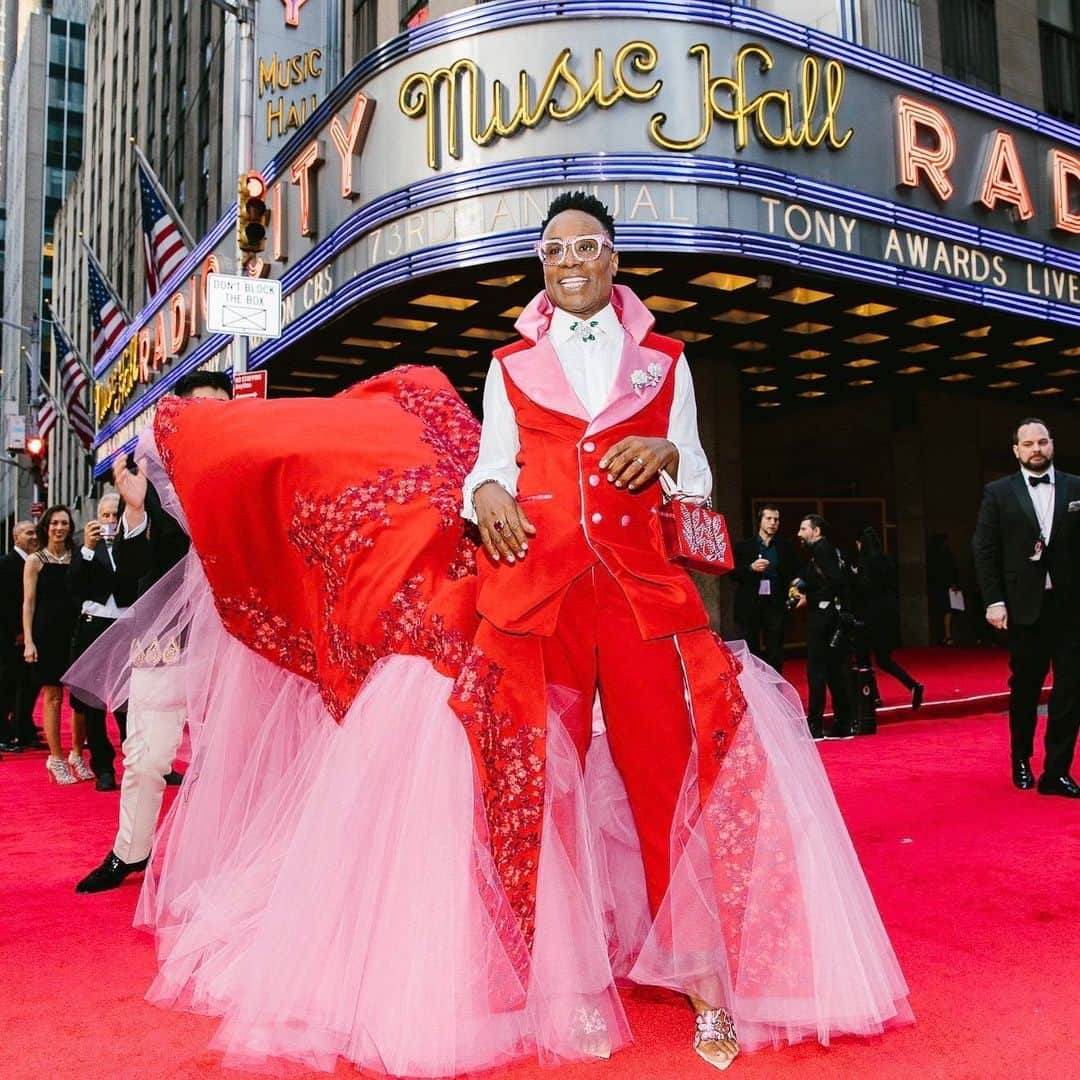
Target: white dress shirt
(590, 354)
(1042, 499)
(110, 609)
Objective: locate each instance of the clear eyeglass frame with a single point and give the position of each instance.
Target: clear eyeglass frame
(585, 248)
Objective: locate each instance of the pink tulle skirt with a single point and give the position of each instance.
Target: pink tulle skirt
(328, 891)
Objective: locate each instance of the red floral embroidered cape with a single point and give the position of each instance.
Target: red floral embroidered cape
(330, 534)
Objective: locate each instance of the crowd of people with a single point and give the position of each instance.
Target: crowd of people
(460, 727)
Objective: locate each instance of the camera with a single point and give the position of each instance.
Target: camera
(795, 590)
(108, 530)
(846, 624)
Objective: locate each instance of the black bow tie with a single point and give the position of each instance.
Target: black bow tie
(1035, 481)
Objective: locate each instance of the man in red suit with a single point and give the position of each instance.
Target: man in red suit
(585, 418)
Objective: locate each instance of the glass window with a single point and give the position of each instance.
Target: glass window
(969, 43)
(77, 50)
(365, 33)
(1060, 13)
(1059, 50)
(57, 44)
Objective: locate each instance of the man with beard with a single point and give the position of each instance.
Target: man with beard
(1027, 560)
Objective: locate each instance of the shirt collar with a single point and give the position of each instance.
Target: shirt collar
(1027, 473)
(566, 327)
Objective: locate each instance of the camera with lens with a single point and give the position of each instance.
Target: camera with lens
(795, 590)
(846, 625)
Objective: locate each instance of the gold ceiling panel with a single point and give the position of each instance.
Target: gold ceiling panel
(1005, 384)
(928, 321)
(809, 354)
(488, 335)
(446, 303)
(392, 323)
(868, 311)
(764, 388)
(861, 382)
(757, 369)
(1015, 365)
(1048, 390)
(968, 356)
(979, 331)
(957, 376)
(768, 404)
(511, 312)
(669, 305)
(867, 339)
(1064, 372)
(315, 374)
(371, 343)
(863, 361)
(811, 376)
(911, 369)
(640, 271)
(502, 282)
(750, 346)
(802, 295)
(727, 282)
(807, 328)
(689, 336)
(1027, 343)
(923, 346)
(740, 317)
(458, 354)
(811, 393)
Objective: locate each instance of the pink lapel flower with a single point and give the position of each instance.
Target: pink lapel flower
(642, 380)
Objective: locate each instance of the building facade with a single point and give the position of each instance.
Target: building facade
(45, 100)
(863, 220)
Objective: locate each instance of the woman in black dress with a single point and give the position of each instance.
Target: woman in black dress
(48, 623)
(878, 602)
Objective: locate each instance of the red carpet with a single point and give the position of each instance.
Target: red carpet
(977, 883)
(958, 681)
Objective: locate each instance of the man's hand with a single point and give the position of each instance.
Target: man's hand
(504, 528)
(634, 461)
(760, 565)
(997, 615)
(30, 653)
(131, 485)
(91, 534)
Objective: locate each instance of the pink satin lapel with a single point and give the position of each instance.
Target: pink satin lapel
(538, 374)
(625, 400)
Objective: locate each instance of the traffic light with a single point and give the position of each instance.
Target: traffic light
(35, 448)
(252, 214)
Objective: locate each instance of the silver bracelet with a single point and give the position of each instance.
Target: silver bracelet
(477, 487)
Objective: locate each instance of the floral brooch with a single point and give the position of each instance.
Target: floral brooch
(641, 380)
(584, 331)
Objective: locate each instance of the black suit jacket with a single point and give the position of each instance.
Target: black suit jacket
(1005, 539)
(749, 581)
(826, 577)
(151, 554)
(95, 579)
(11, 597)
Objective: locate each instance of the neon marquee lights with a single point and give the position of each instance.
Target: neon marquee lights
(927, 147)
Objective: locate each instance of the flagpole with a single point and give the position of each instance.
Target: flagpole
(71, 341)
(178, 221)
(105, 279)
(43, 387)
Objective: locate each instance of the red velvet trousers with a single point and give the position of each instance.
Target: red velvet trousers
(597, 644)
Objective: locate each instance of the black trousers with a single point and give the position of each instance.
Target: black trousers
(764, 632)
(18, 692)
(826, 668)
(102, 752)
(1054, 640)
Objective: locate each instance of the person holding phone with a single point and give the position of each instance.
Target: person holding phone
(102, 593)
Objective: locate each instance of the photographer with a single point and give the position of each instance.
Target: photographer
(825, 595)
(103, 594)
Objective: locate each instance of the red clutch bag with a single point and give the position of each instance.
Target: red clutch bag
(696, 536)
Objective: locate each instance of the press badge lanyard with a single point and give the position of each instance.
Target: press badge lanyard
(1044, 514)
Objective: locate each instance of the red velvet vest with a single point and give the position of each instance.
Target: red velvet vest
(581, 518)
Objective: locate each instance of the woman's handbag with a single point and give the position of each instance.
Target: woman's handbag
(695, 535)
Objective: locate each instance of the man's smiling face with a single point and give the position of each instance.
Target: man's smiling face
(579, 288)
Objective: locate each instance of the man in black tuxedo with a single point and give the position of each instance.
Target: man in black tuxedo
(103, 593)
(1027, 561)
(17, 689)
(826, 597)
(149, 544)
(764, 567)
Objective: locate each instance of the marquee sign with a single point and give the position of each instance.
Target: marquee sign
(705, 126)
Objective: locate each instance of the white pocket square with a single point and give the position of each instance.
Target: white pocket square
(1073, 507)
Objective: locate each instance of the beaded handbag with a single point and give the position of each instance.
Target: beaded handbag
(695, 535)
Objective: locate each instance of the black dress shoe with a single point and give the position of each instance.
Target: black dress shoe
(109, 874)
(1059, 785)
(1023, 777)
(839, 731)
(817, 732)
(106, 780)
(174, 778)
(917, 692)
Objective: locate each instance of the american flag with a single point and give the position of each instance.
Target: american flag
(46, 418)
(105, 314)
(72, 379)
(163, 244)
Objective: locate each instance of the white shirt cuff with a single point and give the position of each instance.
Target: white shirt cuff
(88, 554)
(138, 530)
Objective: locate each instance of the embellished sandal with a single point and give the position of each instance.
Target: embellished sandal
(79, 767)
(589, 1031)
(59, 771)
(715, 1026)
